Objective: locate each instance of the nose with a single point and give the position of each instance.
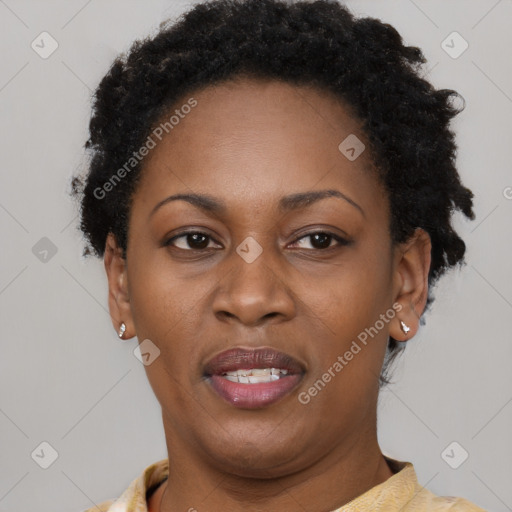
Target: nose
(254, 293)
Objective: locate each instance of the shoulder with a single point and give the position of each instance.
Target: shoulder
(133, 499)
(454, 504)
(427, 500)
(414, 497)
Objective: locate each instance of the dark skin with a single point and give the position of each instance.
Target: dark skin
(248, 143)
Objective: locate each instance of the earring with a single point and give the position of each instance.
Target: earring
(404, 327)
(122, 329)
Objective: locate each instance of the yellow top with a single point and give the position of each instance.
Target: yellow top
(399, 493)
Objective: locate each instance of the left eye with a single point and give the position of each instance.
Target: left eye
(322, 240)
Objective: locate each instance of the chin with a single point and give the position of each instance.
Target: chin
(247, 463)
(263, 456)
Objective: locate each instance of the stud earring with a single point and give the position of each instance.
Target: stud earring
(404, 327)
(122, 330)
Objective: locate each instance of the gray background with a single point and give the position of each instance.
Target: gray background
(67, 380)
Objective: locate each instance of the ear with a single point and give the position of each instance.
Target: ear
(118, 298)
(410, 283)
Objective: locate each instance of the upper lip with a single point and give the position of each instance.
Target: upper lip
(245, 359)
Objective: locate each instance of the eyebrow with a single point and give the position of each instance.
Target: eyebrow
(296, 201)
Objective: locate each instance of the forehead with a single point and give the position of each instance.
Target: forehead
(256, 138)
(253, 107)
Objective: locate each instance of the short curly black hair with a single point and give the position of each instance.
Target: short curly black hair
(363, 61)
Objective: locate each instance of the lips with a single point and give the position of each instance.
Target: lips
(250, 393)
(246, 359)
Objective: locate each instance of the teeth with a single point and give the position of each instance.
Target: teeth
(262, 378)
(260, 371)
(255, 375)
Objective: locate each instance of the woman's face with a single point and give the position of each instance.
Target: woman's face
(263, 274)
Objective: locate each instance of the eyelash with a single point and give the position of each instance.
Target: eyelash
(341, 241)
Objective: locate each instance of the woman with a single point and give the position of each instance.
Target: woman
(271, 188)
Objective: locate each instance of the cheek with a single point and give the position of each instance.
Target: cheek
(345, 309)
(165, 310)
(347, 358)
(351, 295)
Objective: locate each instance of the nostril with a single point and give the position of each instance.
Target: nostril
(225, 314)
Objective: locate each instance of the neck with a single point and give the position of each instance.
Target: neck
(325, 485)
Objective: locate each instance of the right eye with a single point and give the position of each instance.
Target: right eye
(191, 241)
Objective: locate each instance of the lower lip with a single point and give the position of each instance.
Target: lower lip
(254, 396)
